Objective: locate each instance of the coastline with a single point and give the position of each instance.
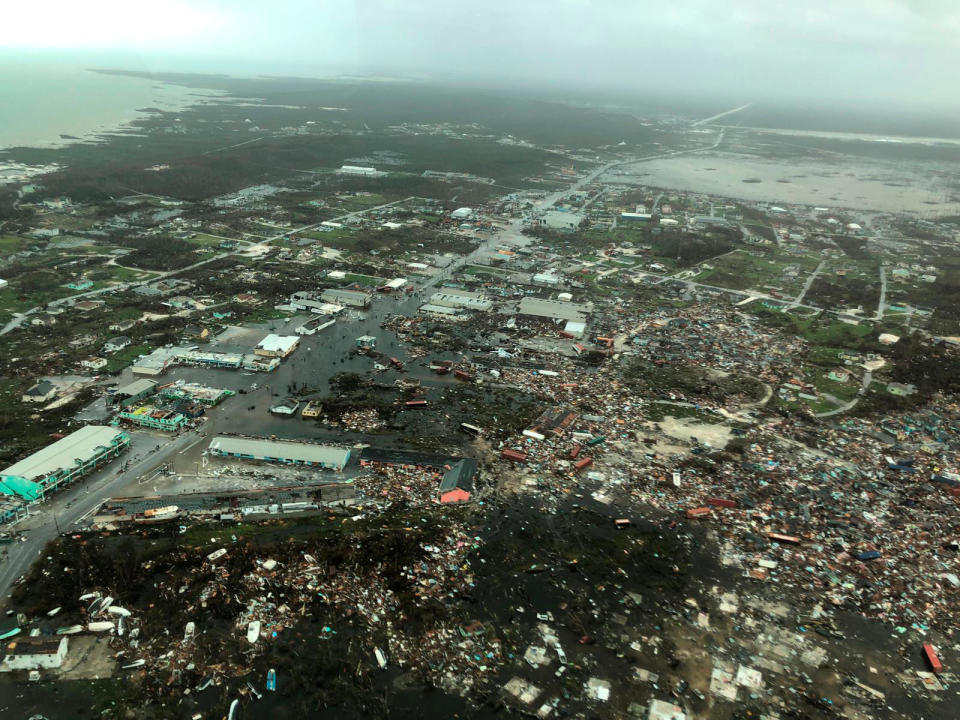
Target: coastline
(152, 98)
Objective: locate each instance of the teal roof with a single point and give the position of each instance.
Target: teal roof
(19, 486)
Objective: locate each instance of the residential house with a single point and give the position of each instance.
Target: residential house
(43, 392)
(82, 341)
(182, 302)
(43, 320)
(116, 344)
(94, 363)
(195, 332)
(122, 326)
(901, 389)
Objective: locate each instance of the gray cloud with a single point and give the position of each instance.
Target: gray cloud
(897, 51)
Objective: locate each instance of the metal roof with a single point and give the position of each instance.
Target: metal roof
(79, 445)
(345, 293)
(459, 476)
(281, 450)
(556, 309)
(278, 343)
(137, 387)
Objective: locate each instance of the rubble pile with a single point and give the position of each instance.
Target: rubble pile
(396, 584)
(391, 484)
(862, 514)
(361, 420)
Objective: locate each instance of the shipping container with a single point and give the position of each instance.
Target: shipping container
(416, 403)
(470, 429)
(721, 502)
(694, 513)
(596, 440)
(574, 451)
(931, 657)
(583, 463)
(779, 537)
(462, 375)
(513, 455)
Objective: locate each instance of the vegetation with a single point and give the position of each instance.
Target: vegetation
(169, 254)
(648, 378)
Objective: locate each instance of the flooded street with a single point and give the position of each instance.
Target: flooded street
(837, 181)
(318, 358)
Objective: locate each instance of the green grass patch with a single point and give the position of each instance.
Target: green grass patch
(265, 313)
(837, 334)
(485, 270)
(11, 243)
(121, 359)
(366, 280)
(825, 356)
(361, 202)
(205, 240)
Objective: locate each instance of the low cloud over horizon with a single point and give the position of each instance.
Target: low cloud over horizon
(896, 51)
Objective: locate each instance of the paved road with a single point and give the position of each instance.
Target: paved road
(656, 204)
(806, 286)
(65, 509)
(720, 115)
(660, 279)
(883, 292)
(867, 379)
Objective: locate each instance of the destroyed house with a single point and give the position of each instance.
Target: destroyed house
(409, 458)
(33, 653)
(157, 418)
(11, 508)
(555, 420)
(457, 482)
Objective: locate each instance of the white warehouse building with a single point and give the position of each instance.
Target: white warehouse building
(357, 170)
(461, 299)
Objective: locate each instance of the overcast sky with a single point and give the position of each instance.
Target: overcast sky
(896, 50)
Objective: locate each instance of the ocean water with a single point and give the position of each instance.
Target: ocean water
(43, 98)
